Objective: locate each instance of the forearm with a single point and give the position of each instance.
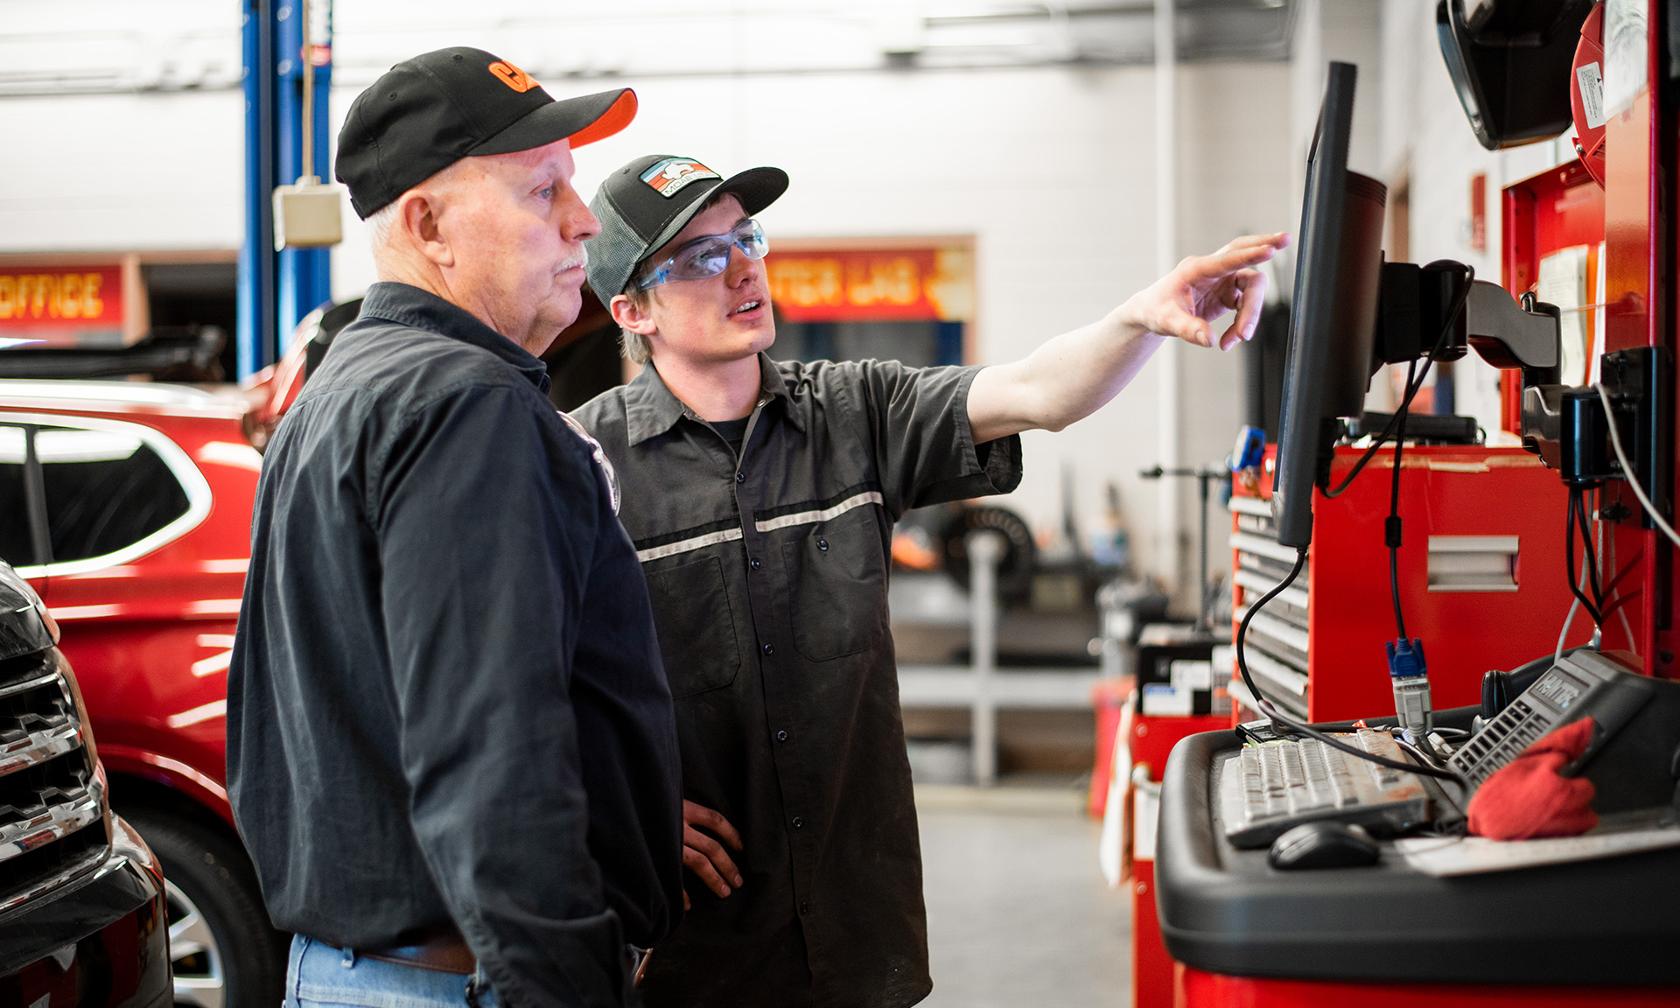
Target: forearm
(1073, 375)
(1065, 379)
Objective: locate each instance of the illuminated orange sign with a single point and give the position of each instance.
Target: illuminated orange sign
(62, 305)
(847, 284)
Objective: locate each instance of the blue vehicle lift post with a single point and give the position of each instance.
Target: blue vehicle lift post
(276, 289)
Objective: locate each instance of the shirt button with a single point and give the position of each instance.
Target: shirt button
(769, 649)
(754, 563)
(798, 823)
(740, 477)
(804, 906)
(781, 736)
(822, 544)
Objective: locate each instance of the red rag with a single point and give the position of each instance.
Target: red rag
(1528, 797)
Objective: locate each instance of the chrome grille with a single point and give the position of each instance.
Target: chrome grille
(29, 666)
(49, 786)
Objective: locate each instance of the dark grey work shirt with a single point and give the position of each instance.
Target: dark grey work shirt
(769, 581)
(446, 703)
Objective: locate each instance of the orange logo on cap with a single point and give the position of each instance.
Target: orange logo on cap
(512, 76)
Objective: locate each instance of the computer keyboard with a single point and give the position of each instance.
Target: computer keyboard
(1267, 788)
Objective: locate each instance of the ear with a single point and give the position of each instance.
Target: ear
(418, 212)
(631, 318)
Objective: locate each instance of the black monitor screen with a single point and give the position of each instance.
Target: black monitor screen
(1332, 329)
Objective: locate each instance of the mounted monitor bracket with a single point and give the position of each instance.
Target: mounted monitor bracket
(1414, 309)
(1526, 334)
(1542, 422)
(1529, 337)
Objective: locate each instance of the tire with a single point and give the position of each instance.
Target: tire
(222, 949)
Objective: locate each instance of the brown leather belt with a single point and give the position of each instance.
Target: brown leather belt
(448, 953)
(445, 953)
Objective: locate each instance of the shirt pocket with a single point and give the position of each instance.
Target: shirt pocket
(839, 578)
(696, 628)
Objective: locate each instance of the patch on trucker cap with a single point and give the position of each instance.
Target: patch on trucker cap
(668, 177)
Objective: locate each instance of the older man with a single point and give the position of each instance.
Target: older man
(761, 497)
(451, 746)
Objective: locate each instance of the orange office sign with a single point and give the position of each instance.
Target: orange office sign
(62, 305)
(868, 284)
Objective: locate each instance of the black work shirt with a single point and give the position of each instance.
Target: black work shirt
(445, 702)
(769, 581)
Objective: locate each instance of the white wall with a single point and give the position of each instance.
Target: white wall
(1346, 31)
(1235, 170)
(121, 172)
(1048, 170)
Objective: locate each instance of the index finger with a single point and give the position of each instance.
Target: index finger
(1276, 239)
(1229, 261)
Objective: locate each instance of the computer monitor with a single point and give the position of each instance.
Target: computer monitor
(1332, 331)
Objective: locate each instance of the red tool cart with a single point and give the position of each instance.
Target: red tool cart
(1471, 562)
(1582, 931)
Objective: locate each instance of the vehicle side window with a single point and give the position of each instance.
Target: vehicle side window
(15, 541)
(105, 490)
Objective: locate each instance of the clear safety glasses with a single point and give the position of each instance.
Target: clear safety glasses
(707, 255)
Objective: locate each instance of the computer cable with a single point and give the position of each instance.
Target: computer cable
(1443, 742)
(1569, 559)
(1607, 551)
(1569, 617)
(1412, 388)
(1426, 758)
(1392, 527)
(1267, 708)
(1563, 634)
(1589, 552)
(1607, 555)
(1406, 668)
(1628, 469)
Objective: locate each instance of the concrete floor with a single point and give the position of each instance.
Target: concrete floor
(1018, 912)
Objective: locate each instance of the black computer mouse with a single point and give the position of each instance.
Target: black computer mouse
(1323, 844)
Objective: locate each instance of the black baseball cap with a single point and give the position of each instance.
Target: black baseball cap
(645, 203)
(431, 111)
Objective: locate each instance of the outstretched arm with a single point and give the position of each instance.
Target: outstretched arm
(1071, 376)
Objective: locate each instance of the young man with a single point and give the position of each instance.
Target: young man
(761, 498)
(451, 749)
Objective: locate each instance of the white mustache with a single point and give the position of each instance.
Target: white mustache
(578, 261)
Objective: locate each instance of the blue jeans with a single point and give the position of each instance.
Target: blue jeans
(319, 975)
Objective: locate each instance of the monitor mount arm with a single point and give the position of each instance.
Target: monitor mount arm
(1565, 426)
(1525, 334)
(1415, 307)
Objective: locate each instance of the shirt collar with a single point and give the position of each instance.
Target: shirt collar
(651, 409)
(411, 306)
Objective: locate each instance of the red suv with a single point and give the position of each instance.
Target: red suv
(128, 508)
